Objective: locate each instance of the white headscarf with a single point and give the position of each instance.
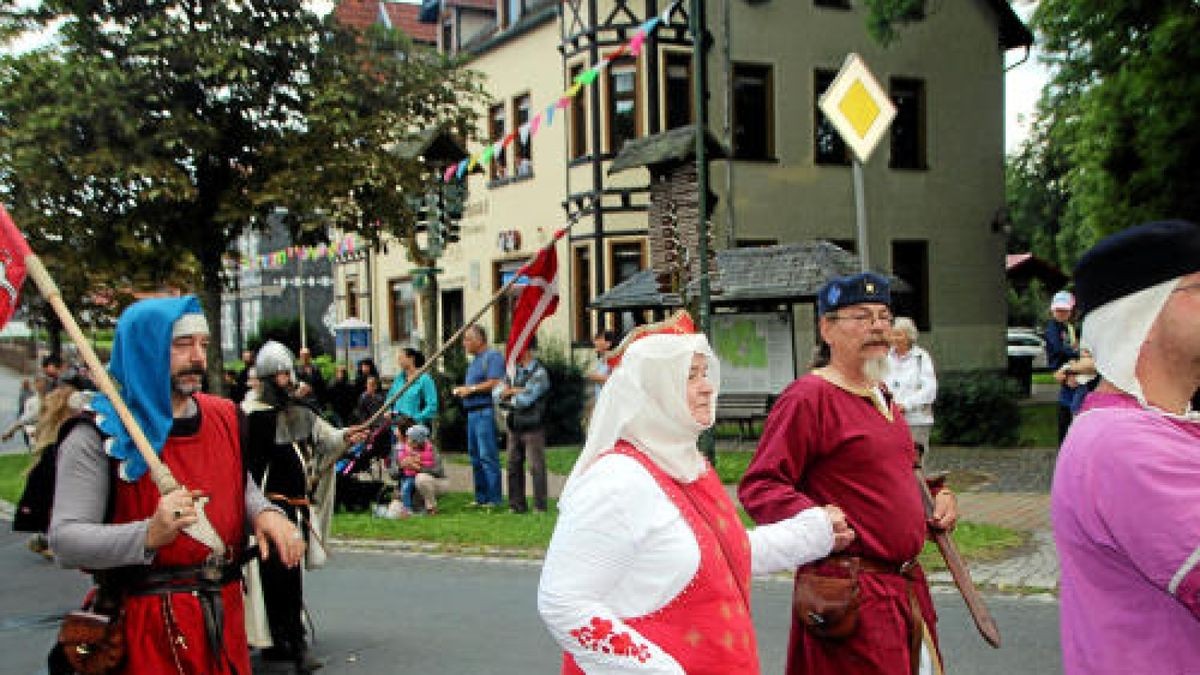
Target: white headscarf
(1115, 332)
(644, 402)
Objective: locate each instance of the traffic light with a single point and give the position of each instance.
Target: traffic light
(452, 197)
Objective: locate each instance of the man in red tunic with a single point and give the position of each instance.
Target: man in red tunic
(181, 603)
(834, 436)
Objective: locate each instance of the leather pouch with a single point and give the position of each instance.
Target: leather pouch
(94, 644)
(826, 599)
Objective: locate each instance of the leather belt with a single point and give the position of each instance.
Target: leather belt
(877, 566)
(290, 501)
(487, 406)
(204, 581)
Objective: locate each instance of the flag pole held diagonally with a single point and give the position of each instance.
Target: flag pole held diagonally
(429, 363)
(202, 530)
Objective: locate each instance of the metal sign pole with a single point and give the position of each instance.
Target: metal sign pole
(860, 217)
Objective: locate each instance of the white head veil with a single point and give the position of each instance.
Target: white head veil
(1114, 333)
(644, 402)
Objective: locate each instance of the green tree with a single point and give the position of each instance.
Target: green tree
(161, 130)
(1115, 138)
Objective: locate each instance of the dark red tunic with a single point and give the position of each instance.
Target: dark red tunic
(823, 445)
(707, 628)
(210, 461)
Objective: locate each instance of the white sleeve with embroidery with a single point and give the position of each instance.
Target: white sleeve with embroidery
(620, 548)
(790, 543)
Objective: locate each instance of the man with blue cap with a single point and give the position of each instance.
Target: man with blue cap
(836, 437)
(1126, 495)
(180, 603)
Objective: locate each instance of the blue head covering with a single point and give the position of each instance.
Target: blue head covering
(853, 290)
(141, 366)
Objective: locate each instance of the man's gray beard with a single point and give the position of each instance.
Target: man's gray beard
(184, 388)
(875, 370)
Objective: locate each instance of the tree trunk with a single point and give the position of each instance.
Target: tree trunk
(210, 300)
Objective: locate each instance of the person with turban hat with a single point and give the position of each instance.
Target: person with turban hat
(1125, 501)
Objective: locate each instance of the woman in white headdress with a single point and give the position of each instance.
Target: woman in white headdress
(649, 567)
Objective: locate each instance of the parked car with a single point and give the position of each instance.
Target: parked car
(1027, 342)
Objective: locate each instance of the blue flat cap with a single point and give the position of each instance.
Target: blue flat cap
(853, 290)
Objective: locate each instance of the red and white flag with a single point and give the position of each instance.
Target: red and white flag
(13, 249)
(538, 300)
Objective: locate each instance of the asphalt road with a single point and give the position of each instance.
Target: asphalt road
(389, 613)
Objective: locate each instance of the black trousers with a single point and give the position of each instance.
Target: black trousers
(283, 595)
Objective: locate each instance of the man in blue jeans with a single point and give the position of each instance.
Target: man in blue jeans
(483, 374)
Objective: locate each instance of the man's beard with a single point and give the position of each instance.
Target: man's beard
(182, 388)
(875, 369)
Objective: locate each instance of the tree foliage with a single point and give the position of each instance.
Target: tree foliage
(161, 130)
(1114, 143)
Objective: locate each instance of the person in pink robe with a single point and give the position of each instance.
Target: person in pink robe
(1125, 502)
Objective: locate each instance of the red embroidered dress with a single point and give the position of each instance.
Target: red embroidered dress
(170, 637)
(707, 627)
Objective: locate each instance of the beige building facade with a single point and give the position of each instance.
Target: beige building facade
(934, 187)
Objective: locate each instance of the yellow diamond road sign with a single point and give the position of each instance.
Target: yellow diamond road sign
(858, 107)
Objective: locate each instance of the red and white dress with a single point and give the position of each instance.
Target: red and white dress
(648, 574)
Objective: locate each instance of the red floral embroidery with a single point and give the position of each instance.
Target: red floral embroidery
(598, 636)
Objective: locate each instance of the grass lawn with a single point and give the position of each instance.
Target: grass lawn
(12, 476)
(455, 526)
(460, 528)
(1039, 426)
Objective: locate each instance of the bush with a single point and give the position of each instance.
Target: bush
(564, 409)
(977, 408)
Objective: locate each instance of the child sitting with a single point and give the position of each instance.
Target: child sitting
(418, 464)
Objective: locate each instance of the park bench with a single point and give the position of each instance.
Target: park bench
(744, 409)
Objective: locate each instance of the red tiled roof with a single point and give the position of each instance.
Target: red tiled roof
(357, 13)
(404, 19)
(361, 14)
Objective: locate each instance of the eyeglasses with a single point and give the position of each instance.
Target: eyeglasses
(864, 318)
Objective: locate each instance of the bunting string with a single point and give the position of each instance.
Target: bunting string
(544, 119)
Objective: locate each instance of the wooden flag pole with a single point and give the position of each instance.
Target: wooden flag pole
(391, 400)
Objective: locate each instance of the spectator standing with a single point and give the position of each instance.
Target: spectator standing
(342, 395)
(26, 423)
(484, 373)
(524, 396)
(369, 401)
(1062, 346)
(835, 436)
(366, 369)
(911, 380)
(602, 342)
(1125, 501)
(239, 392)
(308, 373)
(419, 403)
(52, 370)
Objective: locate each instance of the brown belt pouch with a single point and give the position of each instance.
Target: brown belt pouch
(94, 644)
(826, 599)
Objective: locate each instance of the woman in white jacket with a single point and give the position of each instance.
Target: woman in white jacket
(911, 380)
(649, 567)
